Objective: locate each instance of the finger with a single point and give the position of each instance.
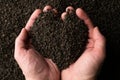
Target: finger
(21, 40)
(82, 15)
(69, 9)
(99, 40)
(63, 15)
(47, 8)
(32, 19)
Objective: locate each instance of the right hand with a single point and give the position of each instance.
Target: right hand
(33, 65)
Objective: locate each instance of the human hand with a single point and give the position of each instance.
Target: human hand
(87, 66)
(33, 65)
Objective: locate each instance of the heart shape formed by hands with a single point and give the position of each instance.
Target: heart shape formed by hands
(61, 41)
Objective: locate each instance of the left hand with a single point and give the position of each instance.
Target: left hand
(88, 64)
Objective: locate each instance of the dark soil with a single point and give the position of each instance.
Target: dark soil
(15, 13)
(61, 41)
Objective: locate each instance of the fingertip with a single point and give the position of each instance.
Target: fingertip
(79, 12)
(37, 11)
(35, 14)
(70, 9)
(32, 19)
(47, 8)
(63, 15)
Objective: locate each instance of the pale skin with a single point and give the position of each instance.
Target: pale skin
(36, 67)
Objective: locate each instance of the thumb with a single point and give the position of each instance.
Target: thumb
(21, 40)
(99, 40)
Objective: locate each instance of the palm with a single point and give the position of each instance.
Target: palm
(31, 62)
(85, 67)
(35, 67)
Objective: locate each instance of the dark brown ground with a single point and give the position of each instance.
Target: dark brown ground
(15, 13)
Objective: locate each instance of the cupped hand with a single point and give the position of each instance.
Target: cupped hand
(33, 65)
(36, 67)
(88, 64)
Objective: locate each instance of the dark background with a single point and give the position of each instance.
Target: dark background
(15, 13)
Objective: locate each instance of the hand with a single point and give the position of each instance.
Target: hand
(87, 66)
(33, 65)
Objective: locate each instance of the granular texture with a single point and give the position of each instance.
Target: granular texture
(61, 41)
(14, 15)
